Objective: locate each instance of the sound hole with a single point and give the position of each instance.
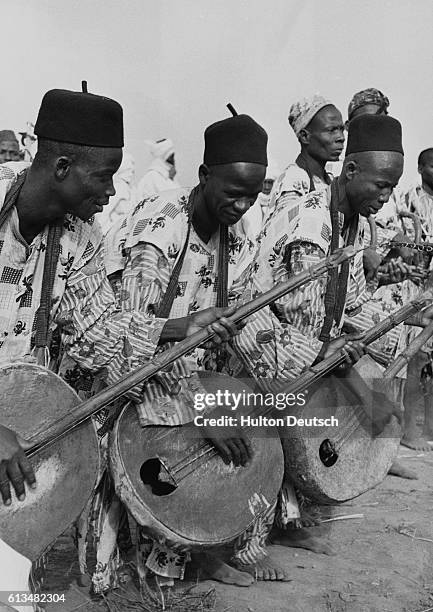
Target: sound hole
(327, 453)
(152, 473)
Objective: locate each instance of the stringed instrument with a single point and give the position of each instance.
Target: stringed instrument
(42, 408)
(334, 464)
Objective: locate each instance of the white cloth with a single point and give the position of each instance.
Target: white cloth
(14, 574)
(126, 195)
(156, 180)
(161, 148)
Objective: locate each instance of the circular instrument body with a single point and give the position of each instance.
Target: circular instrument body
(333, 464)
(32, 398)
(213, 503)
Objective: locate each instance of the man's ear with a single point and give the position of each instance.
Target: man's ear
(350, 169)
(304, 137)
(62, 167)
(420, 167)
(203, 174)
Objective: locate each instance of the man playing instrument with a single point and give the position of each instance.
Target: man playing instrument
(418, 200)
(48, 231)
(319, 128)
(286, 338)
(201, 225)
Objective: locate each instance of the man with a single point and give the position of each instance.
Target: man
(51, 208)
(9, 147)
(161, 172)
(288, 337)
(419, 200)
(194, 223)
(369, 101)
(318, 126)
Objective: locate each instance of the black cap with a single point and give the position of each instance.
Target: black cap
(374, 133)
(80, 118)
(236, 139)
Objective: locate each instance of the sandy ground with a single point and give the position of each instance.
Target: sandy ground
(384, 560)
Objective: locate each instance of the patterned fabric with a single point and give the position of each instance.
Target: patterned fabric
(279, 343)
(93, 333)
(368, 96)
(291, 185)
(418, 201)
(146, 251)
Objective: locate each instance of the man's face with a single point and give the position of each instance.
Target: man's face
(370, 183)
(230, 190)
(172, 166)
(89, 183)
(267, 186)
(426, 169)
(324, 135)
(9, 151)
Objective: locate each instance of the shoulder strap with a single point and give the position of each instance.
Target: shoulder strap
(336, 287)
(164, 308)
(50, 265)
(12, 196)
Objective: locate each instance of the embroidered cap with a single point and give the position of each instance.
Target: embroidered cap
(8, 136)
(301, 112)
(368, 96)
(80, 118)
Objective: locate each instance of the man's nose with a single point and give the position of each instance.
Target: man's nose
(340, 136)
(384, 196)
(110, 191)
(243, 205)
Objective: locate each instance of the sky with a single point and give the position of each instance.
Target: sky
(174, 64)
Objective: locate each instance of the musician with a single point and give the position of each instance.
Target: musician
(49, 209)
(300, 233)
(419, 201)
(319, 128)
(157, 232)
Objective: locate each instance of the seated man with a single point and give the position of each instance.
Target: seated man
(288, 337)
(50, 208)
(177, 256)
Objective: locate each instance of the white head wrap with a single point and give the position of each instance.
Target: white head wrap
(303, 111)
(161, 149)
(272, 170)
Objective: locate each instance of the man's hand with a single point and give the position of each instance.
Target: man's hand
(371, 261)
(15, 467)
(349, 345)
(231, 443)
(216, 322)
(421, 319)
(394, 271)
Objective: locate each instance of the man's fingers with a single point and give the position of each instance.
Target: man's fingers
(5, 488)
(27, 470)
(17, 479)
(231, 327)
(222, 449)
(235, 451)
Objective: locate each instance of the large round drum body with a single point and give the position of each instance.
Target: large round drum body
(362, 460)
(31, 399)
(213, 503)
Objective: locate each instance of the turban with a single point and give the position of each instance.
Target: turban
(80, 118)
(7, 136)
(301, 112)
(374, 133)
(161, 148)
(236, 139)
(367, 96)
